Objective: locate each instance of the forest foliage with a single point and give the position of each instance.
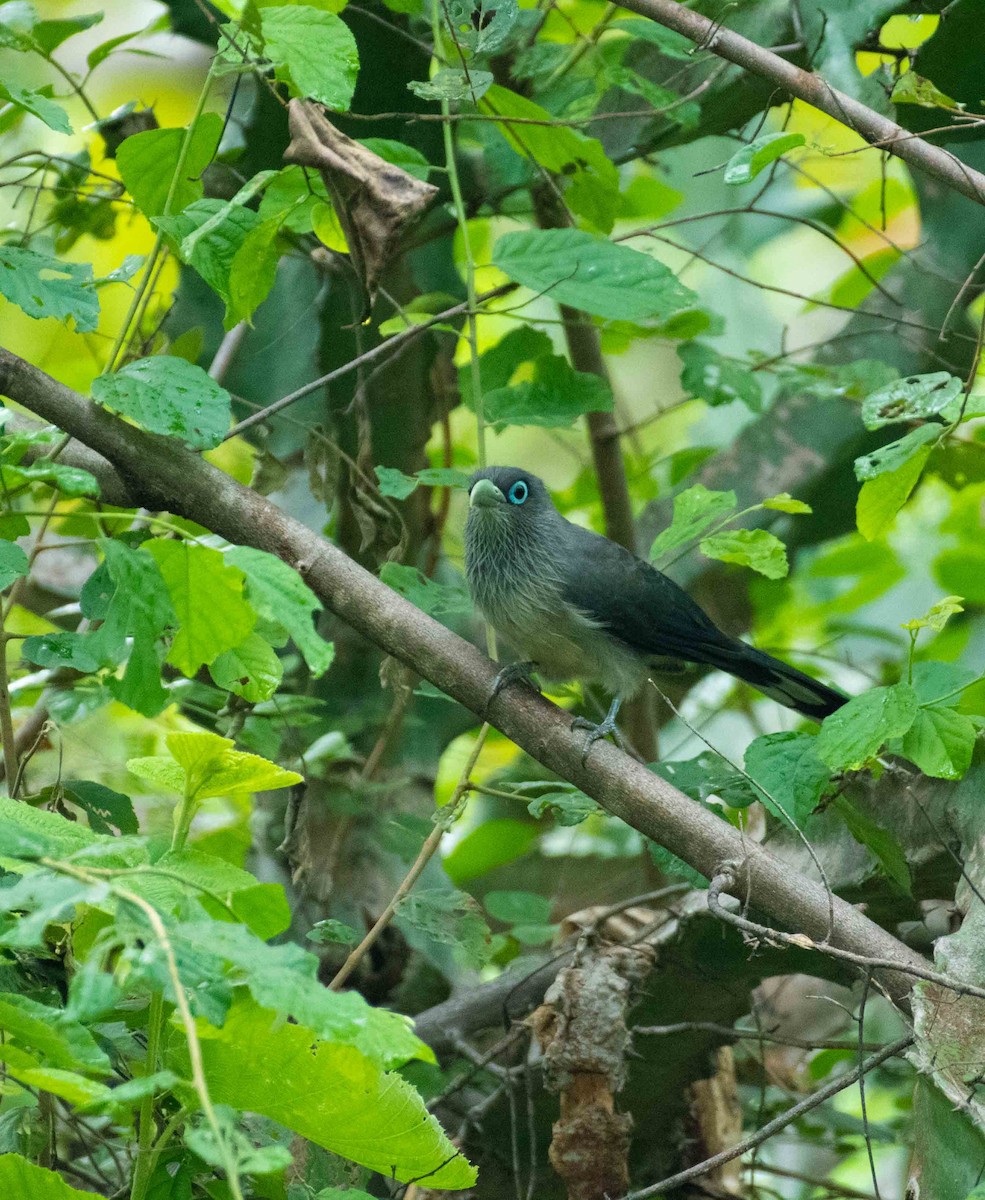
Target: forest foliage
(348, 253)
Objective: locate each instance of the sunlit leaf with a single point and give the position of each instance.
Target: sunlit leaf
(746, 163)
(170, 396)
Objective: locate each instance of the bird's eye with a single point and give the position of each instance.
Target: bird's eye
(518, 492)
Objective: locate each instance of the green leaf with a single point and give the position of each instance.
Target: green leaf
(37, 103)
(449, 477)
(568, 807)
(436, 599)
(695, 510)
(588, 177)
(896, 454)
(215, 1149)
(554, 398)
(785, 503)
(105, 808)
(49, 35)
(207, 595)
(518, 908)
(667, 41)
(599, 277)
(220, 215)
(61, 650)
(399, 154)
(313, 52)
(856, 732)
(937, 616)
(32, 833)
(940, 741)
(331, 1095)
(708, 775)
(170, 396)
(932, 681)
(71, 481)
(792, 777)
(881, 497)
(452, 83)
(13, 563)
(279, 594)
(253, 270)
(917, 396)
(450, 918)
(147, 163)
(746, 164)
(251, 670)
(911, 88)
(962, 568)
(482, 25)
(213, 768)
(717, 380)
(43, 286)
(63, 1042)
(291, 196)
(758, 549)
(394, 483)
(18, 1177)
(212, 255)
(333, 933)
(880, 841)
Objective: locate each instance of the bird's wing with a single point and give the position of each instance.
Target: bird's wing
(636, 602)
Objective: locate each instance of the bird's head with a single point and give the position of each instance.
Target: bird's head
(510, 512)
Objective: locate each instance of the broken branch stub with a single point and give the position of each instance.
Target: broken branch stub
(374, 200)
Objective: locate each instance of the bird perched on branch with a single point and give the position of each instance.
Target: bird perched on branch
(579, 606)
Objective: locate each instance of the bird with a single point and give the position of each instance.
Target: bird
(578, 606)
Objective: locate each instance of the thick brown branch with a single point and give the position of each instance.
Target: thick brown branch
(810, 87)
(161, 474)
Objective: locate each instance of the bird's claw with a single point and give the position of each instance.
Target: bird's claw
(596, 732)
(512, 673)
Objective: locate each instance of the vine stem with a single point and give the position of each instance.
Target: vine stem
(149, 268)
(146, 1129)
(412, 876)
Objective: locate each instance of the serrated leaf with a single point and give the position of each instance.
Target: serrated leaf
(881, 497)
(792, 777)
(314, 52)
(147, 163)
(452, 84)
(207, 595)
(159, 771)
(857, 731)
(695, 510)
(331, 1095)
(37, 104)
(940, 742)
(43, 286)
(880, 841)
(554, 398)
(213, 768)
(746, 163)
(937, 616)
(597, 276)
(13, 563)
(279, 594)
(106, 809)
(757, 549)
(717, 380)
(170, 396)
(251, 670)
(912, 398)
(394, 483)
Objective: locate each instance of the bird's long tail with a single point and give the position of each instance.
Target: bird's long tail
(780, 681)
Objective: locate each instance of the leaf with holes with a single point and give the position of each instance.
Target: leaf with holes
(170, 396)
(43, 286)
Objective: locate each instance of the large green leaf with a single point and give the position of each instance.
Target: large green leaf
(882, 496)
(49, 287)
(207, 595)
(253, 270)
(590, 273)
(589, 179)
(330, 1094)
(757, 549)
(212, 255)
(555, 397)
(853, 734)
(792, 777)
(940, 741)
(695, 510)
(279, 594)
(170, 396)
(38, 104)
(62, 1042)
(894, 455)
(312, 51)
(23, 1180)
(937, 394)
(147, 163)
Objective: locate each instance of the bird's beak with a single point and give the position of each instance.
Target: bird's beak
(486, 494)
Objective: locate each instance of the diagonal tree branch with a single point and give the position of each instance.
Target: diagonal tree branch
(159, 473)
(806, 85)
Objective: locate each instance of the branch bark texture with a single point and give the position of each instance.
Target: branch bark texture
(160, 474)
(877, 130)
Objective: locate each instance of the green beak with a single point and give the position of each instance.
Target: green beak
(486, 494)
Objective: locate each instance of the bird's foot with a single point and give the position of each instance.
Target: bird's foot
(599, 730)
(513, 673)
